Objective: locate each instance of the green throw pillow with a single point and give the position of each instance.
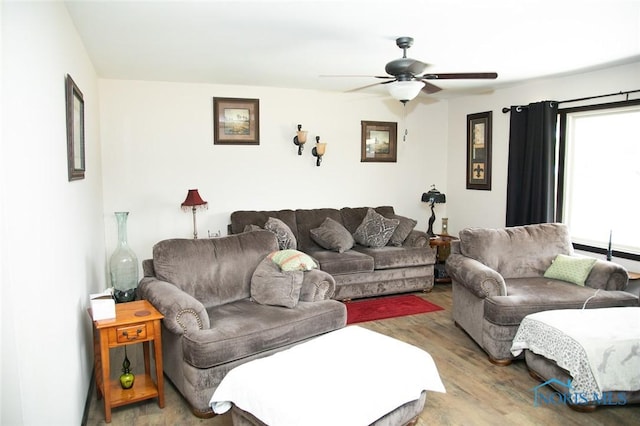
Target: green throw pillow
(292, 260)
(570, 268)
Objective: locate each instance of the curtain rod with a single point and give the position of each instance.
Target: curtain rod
(507, 109)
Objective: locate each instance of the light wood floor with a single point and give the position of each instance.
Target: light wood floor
(478, 393)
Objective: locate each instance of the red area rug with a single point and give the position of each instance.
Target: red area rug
(387, 307)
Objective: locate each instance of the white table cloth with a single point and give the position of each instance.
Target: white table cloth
(600, 348)
(351, 376)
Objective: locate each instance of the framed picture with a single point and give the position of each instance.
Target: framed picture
(75, 130)
(236, 121)
(479, 151)
(379, 141)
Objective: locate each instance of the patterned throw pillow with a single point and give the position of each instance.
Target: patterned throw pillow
(286, 239)
(292, 260)
(570, 268)
(375, 230)
(332, 236)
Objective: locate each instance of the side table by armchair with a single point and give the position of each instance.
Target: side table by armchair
(442, 243)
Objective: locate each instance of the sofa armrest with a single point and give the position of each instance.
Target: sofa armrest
(475, 276)
(416, 239)
(317, 285)
(182, 312)
(607, 276)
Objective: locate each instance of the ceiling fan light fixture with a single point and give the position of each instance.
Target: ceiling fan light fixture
(404, 91)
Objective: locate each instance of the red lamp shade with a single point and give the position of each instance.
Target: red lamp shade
(193, 199)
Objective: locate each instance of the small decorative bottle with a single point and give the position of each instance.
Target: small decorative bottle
(123, 264)
(126, 378)
(445, 226)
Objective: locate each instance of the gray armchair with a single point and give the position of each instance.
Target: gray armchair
(498, 278)
(212, 322)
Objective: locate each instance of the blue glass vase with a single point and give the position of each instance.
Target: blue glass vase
(123, 264)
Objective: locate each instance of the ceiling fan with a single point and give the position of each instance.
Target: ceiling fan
(405, 77)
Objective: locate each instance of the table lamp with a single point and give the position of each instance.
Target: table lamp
(433, 197)
(194, 201)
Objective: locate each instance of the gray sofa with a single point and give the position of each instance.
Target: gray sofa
(360, 271)
(498, 278)
(212, 323)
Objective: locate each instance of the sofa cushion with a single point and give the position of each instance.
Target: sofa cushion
(349, 262)
(272, 286)
(375, 230)
(292, 260)
(352, 217)
(213, 270)
(389, 257)
(242, 328)
(530, 295)
(310, 219)
(286, 239)
(570, 268)
(332, 236)
(405, 226)
(241, 218)
(519, 251)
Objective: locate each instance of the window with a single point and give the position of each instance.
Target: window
(599, 176)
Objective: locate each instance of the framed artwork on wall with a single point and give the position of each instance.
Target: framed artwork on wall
(75, 130)
(236, 121)
(479, 151)
(378, 141)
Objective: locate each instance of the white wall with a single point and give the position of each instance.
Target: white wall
(488, 208)
(52, 230)
(153, 143)
(158, 143)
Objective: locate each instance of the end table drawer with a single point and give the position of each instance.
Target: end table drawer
(131, 333)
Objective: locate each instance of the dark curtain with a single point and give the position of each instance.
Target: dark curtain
(532, 162)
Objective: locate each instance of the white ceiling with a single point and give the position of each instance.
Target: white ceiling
(297, 43)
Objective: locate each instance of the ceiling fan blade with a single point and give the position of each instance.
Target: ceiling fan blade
(460, 76)
(417, 67)
(367, 86)
(355, 75)
(430, 89)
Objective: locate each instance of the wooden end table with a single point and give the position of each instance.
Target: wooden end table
(442, 243)
(135, 322)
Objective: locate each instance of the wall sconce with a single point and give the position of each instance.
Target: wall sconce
(318, 150)
(300, 139)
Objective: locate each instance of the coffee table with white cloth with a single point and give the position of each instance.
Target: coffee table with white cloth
(352, 376)
(597, 349)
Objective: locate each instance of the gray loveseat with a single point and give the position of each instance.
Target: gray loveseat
(359, 271)
(211, 323)
(498, 278)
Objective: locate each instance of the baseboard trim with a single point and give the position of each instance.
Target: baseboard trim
(87, 404)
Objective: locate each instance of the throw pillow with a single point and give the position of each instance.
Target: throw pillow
(332, 236)
(570, 268)
(403, 230)
(292, 260)
(251, 228)
(271, 286)
(375, 230)
(286, 239)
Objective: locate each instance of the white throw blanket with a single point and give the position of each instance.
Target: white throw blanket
(600, 348)
(351, 376)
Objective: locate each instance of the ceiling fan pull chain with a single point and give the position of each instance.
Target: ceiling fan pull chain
(404, 121)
